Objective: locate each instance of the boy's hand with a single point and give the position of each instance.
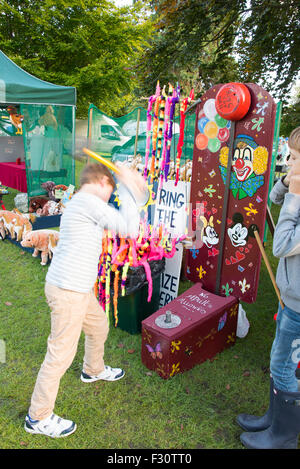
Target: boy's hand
(294, 185)
(134, 181)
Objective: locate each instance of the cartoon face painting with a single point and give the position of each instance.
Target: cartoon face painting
(238, 235)
(209, 234)
(249, 163)
(242, 161)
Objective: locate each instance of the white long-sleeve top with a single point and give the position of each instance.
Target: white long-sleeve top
(74, 265)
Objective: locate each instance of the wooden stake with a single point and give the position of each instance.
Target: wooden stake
(262, 250)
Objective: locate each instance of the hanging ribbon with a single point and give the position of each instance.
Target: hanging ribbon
(167, 123)
(154, 136)
(118, 254)
(184, 104)
(175, 100)
(152, 99)
(160, 129)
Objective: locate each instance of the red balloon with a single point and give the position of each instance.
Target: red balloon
(233, 101)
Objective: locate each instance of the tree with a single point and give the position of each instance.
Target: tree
(250, 40)
(89, 44)
(290, 116)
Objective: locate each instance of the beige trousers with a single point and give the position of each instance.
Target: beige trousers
(71, 312)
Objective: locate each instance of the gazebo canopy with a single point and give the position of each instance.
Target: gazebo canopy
(18, 86)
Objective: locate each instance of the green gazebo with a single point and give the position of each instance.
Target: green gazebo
(37, 130)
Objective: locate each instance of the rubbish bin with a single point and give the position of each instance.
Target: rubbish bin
(134, 307)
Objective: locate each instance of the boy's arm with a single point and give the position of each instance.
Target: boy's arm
(286, 241)
(125, 221)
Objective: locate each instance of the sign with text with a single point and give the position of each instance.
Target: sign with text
(169, 279)
(171, 207)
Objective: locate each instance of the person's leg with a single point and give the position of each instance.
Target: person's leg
(96, 328)
(286, 350)
(253, 423)
(285, 426)
(67, 314)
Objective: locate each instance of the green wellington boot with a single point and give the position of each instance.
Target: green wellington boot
(253, 423)
(285, 427)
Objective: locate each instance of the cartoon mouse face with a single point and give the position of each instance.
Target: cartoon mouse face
(238, 235)
(209, 235)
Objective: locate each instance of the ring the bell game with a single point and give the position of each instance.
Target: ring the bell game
(229, 193)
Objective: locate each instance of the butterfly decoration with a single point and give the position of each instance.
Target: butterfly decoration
(222, 321)
(155, 352)
(188, 351)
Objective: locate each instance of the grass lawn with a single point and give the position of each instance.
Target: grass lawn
(193, 410)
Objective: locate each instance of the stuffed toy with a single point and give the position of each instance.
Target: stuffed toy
(50, 208)
(36, 203)
(15, 224)
(51, 187)
(43, 241)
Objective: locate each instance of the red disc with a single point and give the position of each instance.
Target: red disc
(233, 101)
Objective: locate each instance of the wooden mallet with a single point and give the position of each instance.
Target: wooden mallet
(262, 250)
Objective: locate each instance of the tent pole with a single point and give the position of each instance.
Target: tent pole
(137, 132)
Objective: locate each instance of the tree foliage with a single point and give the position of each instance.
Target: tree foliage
(290, 116)
(218, 40)
(89, 44)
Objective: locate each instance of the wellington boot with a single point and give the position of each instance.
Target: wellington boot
(285, 427)
(253, 423)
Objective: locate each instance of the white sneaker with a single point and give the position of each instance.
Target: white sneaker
(108, 374)
(53, 426)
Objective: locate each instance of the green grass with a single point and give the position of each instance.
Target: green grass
(193, 410)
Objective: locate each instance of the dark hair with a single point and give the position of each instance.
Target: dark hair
(95, 172)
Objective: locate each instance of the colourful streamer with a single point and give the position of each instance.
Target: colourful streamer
(167, 117)
(183, 108)
(118, 254)
(175, 100)
(154, 136)
(152, 99)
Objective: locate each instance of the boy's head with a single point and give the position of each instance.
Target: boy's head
(98, 176)
(294, 146)
(294, 139)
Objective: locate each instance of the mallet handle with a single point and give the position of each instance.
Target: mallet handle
(262, 250)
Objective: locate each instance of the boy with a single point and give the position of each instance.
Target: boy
(280, 426)
(69, 289)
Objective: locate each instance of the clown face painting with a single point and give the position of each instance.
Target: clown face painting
(242, 161)
(249, 162)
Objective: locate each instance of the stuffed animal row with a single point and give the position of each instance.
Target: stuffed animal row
(43, 207)
(19, 227)
(15, 223)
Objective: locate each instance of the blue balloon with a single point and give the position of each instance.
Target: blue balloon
(202, 123)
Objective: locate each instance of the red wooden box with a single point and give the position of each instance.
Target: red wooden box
(202, 325)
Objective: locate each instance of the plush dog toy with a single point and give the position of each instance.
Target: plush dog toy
(43, 241)
(36, 203)
(15, 223)
(50, 208)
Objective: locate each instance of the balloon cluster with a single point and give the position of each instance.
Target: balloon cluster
(118, 254)
(213, 129)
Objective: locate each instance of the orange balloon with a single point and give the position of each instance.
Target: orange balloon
(201, 141)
